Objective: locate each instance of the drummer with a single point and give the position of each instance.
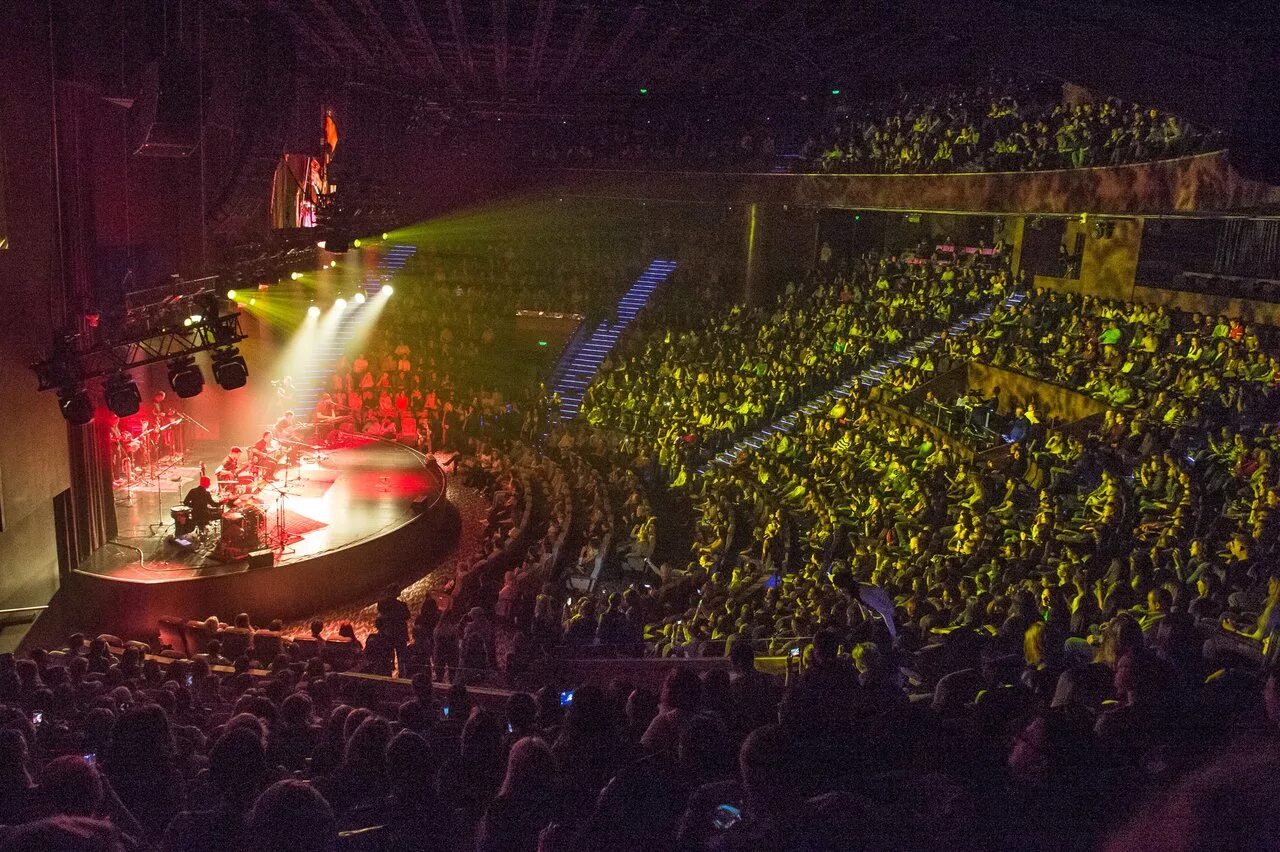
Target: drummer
(204, 509)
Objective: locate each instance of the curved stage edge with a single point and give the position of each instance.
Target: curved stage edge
(423, 525)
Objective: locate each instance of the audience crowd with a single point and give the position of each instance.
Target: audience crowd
(999, 128)
(694, 380)
(1164, 363)
(1030, 635)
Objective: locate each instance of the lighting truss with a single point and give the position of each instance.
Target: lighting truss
(73, 361)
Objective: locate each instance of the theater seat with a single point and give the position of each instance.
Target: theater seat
(307, 648)
(198, 637)
(173, 635)
(266, 646)
(236, 642)
(112, 641)
(341, 655)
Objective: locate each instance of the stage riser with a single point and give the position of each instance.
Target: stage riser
(285, 591)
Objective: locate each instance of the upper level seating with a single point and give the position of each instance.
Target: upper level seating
(999, 127)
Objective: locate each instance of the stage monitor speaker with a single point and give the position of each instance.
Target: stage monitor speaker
(261, 558)
(164, 120)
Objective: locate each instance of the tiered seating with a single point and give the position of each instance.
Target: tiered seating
(1164, 362)
(999, 128)
(690, 392)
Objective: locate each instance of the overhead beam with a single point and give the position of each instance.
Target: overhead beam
(541, 29)
(499, 21)
(315, 42)
(421, 37)
(340, 29)
(458, 23)
(369, 9)
(620, 41)
(580, 32)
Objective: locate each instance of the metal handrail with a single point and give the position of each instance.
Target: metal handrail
(11, 611)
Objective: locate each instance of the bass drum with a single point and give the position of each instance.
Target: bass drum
(232, 528)
(254, 523)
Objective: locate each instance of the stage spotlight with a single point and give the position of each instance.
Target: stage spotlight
(385, 235)
(356, 242)
(359, 297)
(231, 294)
(341, 304)
(322, 244)
(122, 395)
(386, 290)
(185, 377)
(253, 301)
(229, 369)
(313, 311)
(75, 404)
(295, 275)
(332, 264)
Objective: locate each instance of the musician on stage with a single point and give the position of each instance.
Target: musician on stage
(265, 454)
(327, 413)
(230, 465)
(161, 417)
(284, 427)
(285, 393)
(204, 509)
(124, 444)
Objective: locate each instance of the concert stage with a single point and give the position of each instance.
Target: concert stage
(351, 521)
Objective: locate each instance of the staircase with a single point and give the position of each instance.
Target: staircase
(869, 377)
(585, 353)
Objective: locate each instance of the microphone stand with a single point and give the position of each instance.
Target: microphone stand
(184, 416)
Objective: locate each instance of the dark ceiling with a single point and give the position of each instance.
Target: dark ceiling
(545, 51)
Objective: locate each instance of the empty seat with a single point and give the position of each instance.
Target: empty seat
(172, 635)
(236, 642)
(266, 646)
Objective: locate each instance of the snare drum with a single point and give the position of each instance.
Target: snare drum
(183, 521)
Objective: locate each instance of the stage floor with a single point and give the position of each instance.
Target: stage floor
(348, 497)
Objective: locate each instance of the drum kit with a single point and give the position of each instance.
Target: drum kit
(243, 521)
(242, 528)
